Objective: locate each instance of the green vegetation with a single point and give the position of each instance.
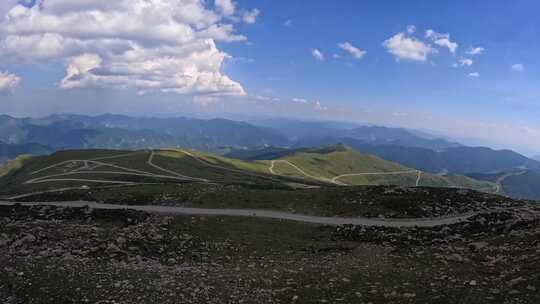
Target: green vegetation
(332, 161)
(14, 165)
(327, 163)
(525, 185)
(471, 183)
(328, 166)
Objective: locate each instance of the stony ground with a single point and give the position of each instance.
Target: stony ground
(367, 201)
(65, 255)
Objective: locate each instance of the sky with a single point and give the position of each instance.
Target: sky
(467, 69)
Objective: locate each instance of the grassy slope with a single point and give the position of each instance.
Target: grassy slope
(325, 163)
(467, 182)
(328, 163)
(14, 164)
(200, 165)
(13, 181)
(216, 160)
(526, 185)
(331, 164)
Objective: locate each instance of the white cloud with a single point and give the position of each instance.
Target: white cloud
(518, 67)
(5, 6)
(475, 50)
(317, 54)
(250, 17)
(226, 7)
(288, 22)
(149, 45)
(442, 40)
(411, 29)
(464, 62)
(354, 51)
(407, 47)
(314, 104)
(474, 74)
(8, 82)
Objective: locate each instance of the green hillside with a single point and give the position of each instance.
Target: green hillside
(13, 165)
(522, 184)
(341, 165)
(330, 166)
(93, 168)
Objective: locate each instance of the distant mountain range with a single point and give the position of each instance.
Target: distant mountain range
(315, 133)
(460, 159)
(124, 132)
(413, 149)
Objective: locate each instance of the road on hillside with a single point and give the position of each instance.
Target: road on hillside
(336, 179)
(334, 221)
(273, 164)
(500, 180)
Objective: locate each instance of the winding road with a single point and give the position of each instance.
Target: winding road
(500, 180)
(269, 214)
(335, 180)
(273, 164)
(150, 163)
(96, 163)
(89, 166)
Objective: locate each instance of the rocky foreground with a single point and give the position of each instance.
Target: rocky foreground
(68, 255)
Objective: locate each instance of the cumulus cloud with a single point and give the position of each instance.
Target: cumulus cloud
(149, 45)
(475, 50)
(474, 74)
(299, 100)
(442, 40)
(354, 51)
(411, 29)
(518, 67)
(226, 7)
(464, 62)
(5, 6)
(317, 54)
(406, 47)
(250, 17)
(8, 82)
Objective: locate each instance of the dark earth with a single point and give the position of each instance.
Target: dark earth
(79, 255)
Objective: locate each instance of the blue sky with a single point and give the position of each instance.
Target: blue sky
(505, 30)
(266, 65)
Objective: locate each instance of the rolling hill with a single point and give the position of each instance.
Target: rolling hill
(342, 165)
(411, 149)
(455, 160)
(327, 166)
(522, 184)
